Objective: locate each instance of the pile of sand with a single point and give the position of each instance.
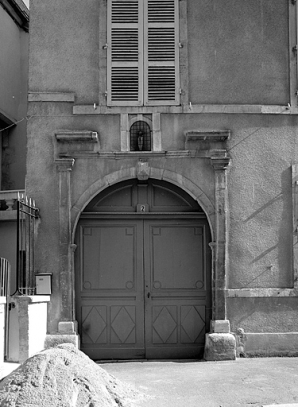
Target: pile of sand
(64, 377)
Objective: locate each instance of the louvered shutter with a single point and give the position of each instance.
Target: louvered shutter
(125, 52)
(161, 52)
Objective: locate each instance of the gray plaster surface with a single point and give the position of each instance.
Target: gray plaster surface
(244, 382)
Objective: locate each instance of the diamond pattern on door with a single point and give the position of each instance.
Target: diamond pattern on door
(145, 287)
(123, 324)
(94, 324)
(164, 324)
(192, 323)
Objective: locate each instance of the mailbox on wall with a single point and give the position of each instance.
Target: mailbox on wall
(43, 283)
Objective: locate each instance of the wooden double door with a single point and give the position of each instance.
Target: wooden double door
(142, 287)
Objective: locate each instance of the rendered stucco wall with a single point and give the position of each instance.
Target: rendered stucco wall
(9, 65)
(262, 315)
(238, 51)
(69, 61)
(259, 181)
(262, 147)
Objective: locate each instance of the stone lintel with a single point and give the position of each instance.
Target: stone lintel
(64, 164)
(220, 326)
(70, 136)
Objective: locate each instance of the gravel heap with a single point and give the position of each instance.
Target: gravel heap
(64, 377)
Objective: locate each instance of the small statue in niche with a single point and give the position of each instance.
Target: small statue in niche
(140, 140)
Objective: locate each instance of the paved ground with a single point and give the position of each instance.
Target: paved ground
(245, 382)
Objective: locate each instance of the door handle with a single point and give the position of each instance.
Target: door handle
(148, 295)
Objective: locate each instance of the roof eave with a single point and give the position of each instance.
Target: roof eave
(19, 14)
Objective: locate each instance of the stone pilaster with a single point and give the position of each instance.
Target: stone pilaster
(64, 167)
(295, 224)
(220, 164)
(220, 343)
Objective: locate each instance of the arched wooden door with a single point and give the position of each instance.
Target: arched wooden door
(143, 273)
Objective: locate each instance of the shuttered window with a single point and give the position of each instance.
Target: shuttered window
(142, 49)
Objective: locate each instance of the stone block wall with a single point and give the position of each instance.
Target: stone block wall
(28, 326)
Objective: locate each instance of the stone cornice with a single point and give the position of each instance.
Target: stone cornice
(220, 162)
(187, 109)
(211, 141)
(70, 136)
(207, 135)
(18, 12)
(72, 142)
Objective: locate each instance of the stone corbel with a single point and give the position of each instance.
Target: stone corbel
(76, 142)
(219, 160)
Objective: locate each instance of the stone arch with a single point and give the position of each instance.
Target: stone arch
(194, 190)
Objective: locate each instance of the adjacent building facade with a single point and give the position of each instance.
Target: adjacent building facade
(14, 51)
(162, 151)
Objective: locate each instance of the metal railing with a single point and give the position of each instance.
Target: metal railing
(27, 213)
(8, 200)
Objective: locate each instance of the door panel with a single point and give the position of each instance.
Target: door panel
(110, 293)
(176, 254)
(112, 249)
(141, 288)
(175, 299)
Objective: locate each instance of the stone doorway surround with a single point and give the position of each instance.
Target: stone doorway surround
(220, 343)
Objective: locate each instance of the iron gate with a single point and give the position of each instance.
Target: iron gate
(4, 292)
(27, 214)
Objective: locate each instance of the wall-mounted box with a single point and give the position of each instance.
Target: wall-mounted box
(43, 283)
